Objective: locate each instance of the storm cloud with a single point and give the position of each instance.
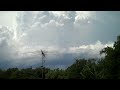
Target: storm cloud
(65, 35)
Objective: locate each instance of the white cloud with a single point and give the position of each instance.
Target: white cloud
(64, 35)
(7, 44)
(21, 53)
(8, 18)
(92, 50)
(83, 17)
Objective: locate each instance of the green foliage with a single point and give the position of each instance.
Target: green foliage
(91, 70)
(111, 62)
(73, 72)
(56, 74)
(2, 74)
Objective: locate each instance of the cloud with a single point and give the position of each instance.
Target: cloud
(60, 56)
(7, 46)
(62, 28)
(82, 17)
(21, 55)
(65, 35)
(8, 18)
(90, 51)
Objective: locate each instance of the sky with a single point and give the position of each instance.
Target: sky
(63, 35)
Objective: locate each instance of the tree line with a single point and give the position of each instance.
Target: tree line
(104, 68)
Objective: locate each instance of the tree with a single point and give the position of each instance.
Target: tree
(112, 60)
(73, 72)
(91, 70)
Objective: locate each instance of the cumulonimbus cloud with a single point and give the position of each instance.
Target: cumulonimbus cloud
(64, 35)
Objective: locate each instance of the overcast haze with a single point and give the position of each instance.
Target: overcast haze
(65, 35)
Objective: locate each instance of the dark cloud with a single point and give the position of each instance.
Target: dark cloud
(67, 34)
